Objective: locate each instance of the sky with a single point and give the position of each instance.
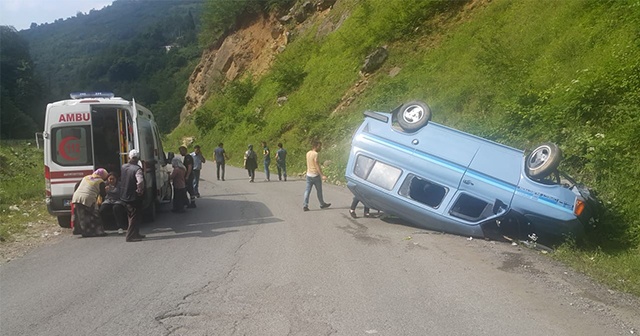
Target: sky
(21, 13)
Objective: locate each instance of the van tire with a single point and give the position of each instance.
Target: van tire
(413, 115)
(64, 221)
(543, 160)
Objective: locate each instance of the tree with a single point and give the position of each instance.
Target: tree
(20, 112)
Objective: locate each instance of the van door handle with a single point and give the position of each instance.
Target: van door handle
(467, 182)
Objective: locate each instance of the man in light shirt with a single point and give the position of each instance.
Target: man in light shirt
(314, 177)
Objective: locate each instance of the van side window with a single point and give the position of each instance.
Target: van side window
(72, 146)
(376, 172)
(363, 166)
(470, 208)
(423, 191)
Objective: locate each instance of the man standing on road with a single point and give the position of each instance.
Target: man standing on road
(131, 191)
(188, 164)
(220, 156)
(314, 177)
(281, 163)
(266, 155)
(198, 160)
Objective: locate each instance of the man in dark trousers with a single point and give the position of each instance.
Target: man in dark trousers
(198, 161)
(281, 162)
(220, 156)
(131, 191)
(188, 177)
(266, 156)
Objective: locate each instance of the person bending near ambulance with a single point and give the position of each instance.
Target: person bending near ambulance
(131, 191)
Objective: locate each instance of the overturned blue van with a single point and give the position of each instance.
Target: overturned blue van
(443, 179)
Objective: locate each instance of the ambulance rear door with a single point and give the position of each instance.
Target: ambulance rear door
(68, 152)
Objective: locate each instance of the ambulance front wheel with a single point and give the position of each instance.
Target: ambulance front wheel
(64, 221)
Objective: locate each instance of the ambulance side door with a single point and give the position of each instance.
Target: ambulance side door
(148, 157)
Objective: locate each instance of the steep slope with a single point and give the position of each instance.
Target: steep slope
(249, 50)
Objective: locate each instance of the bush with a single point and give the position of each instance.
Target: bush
(22, 176)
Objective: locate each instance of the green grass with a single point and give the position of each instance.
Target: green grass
(618, 270)
(21, 187)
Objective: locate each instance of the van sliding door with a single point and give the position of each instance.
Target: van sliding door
(148, 156)
(488, 185)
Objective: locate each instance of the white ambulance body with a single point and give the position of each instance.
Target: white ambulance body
(97, 130)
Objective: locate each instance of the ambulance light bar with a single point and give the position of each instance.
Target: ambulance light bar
(81, 95)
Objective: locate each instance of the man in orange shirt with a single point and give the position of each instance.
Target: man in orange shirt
(314, 177)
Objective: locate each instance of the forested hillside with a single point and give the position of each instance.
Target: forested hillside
(517, 72)
(140, 49)
(20, 100)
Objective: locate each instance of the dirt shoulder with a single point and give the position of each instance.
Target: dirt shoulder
(37, 233)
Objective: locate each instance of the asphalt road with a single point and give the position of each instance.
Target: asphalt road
(249, 261)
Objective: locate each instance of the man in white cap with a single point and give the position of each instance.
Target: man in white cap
(131, 191)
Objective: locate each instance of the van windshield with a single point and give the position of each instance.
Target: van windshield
(72, 146)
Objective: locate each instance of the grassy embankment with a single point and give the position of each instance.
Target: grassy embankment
(21, 188)
(519, 73)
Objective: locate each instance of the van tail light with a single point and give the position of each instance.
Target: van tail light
(47, 181)
(579, 207)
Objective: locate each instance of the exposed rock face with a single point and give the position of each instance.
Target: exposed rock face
(282, 100)
(249, 50)
(324, 4)
(301, 11)
(374, 60)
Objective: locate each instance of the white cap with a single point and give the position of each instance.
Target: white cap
(134, 154)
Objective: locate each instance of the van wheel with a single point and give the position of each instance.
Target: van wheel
(414, 115)
(543, 160)
(64, 221)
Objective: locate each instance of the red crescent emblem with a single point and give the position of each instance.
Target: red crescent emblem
(62, 150)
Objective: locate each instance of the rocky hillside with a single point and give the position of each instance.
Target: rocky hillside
(251, 49)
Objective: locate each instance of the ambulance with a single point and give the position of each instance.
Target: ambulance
(97, 130)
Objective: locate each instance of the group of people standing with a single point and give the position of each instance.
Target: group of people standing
(314, 174)
(251, 162)
(120, 198)
(185, 178)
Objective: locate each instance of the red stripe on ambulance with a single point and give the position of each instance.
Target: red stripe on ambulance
(70, 174)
